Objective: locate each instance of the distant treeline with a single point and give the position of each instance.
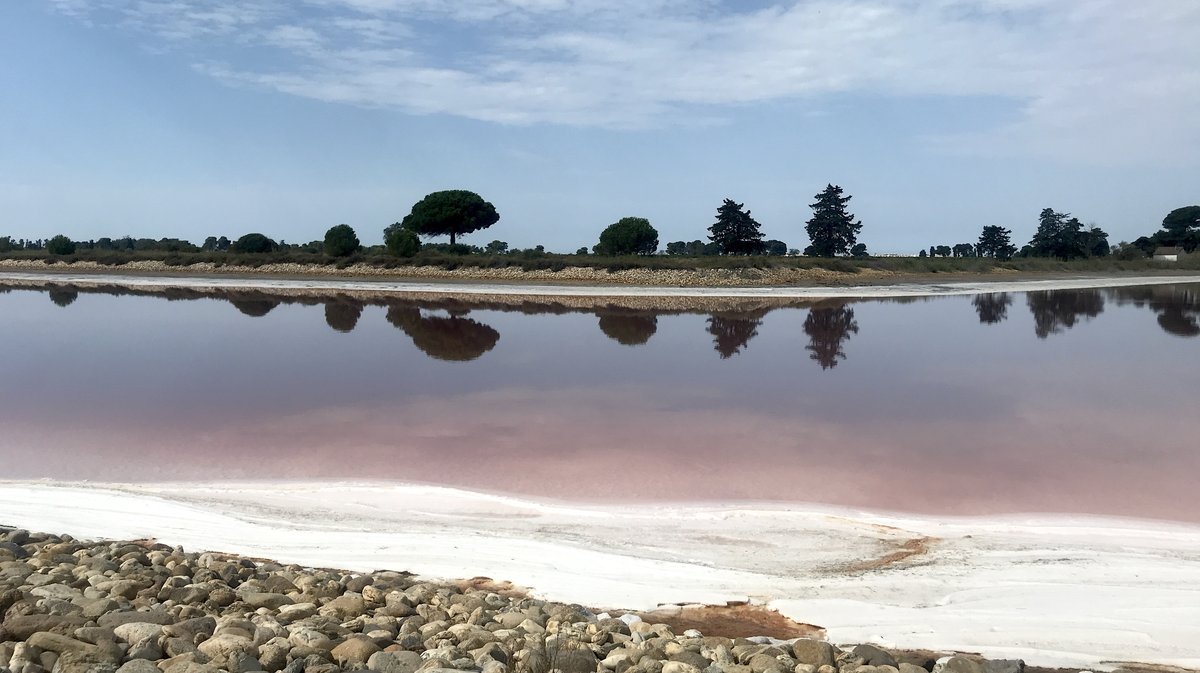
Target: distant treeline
(832, 231)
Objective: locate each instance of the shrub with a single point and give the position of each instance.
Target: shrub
(60, 245)
(253, 244)
(341, 241)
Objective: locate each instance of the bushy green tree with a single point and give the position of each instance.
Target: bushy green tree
(496, 248)
(775, 247)
(253, 243)
(858, 250)
(996, 241)
(452, 212)
(1064, 237)
(341, 241)
(60, 245)
(401, 241)
(735, 232)
(832, 228)
(628, 236)
(6, 244)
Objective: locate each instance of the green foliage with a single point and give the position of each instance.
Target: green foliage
(628, 236)
(582, 251)
(832, 228)
(496, 248)
(341, 241)
(735, 232)
(452, 212)
(6, 244)
(996, 242)
(253, 244)
(401, 241)
(858, 250)
(775, 247)
(1061, 236)
(60, 245)
(1181, 221)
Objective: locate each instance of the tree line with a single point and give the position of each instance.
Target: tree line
(832, 230)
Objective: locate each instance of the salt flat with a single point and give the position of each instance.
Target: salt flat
(1055, 590)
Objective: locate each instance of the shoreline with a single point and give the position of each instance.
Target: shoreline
(1054, 590)
(465, 290)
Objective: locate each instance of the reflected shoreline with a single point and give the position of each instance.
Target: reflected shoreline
(442, 328)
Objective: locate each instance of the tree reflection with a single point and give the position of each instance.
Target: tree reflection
(1058, 310)
(255, 307)
(628, 329)
(827, 330)
(453, 338)
(731, 332)
(63, 297)
(993, 307)
(343, 316)
(1178, 308)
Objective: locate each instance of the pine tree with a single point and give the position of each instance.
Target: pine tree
(833, 229)
(735, 232)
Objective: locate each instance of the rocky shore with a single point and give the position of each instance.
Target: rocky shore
(71, 606)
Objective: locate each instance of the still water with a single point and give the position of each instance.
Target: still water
(1057, 401)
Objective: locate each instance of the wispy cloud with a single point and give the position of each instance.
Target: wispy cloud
(1092, 79)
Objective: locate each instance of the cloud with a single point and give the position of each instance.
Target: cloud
(1090, 79)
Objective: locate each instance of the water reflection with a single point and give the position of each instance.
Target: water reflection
(343, 316)
(440, 326)
(732, 332)
(628, 328)
(63, 297)
(1177, 306)
(255, 307)
(827, 330)
(993, 307)
(1057, 310)
(454, 338)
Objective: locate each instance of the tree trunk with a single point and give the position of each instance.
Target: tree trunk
(451, 238)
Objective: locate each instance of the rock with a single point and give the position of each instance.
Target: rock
(15, 550)
(394, 662)
(21, 627)
(874, 656)
(804, 668)
(139, 666)
(957, 665)
(115, 619)
(59, 643)
(344, 607)
(813, 652)
(266, 600)
(60, 591)
(84, 662)
(133, 632)
(296, 612)
(678, 667)
(305, 637)
(240, 662)
(354, 652)
(1003, 666)
(219, 648)
(905, 667)
(190, 628)
(694, 658)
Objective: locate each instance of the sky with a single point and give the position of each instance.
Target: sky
(190, 118)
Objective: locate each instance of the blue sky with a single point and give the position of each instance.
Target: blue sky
(191, 118)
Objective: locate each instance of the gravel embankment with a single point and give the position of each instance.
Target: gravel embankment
(71, 606)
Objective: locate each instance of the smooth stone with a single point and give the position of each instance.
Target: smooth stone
(814, 652)
(394, 662)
